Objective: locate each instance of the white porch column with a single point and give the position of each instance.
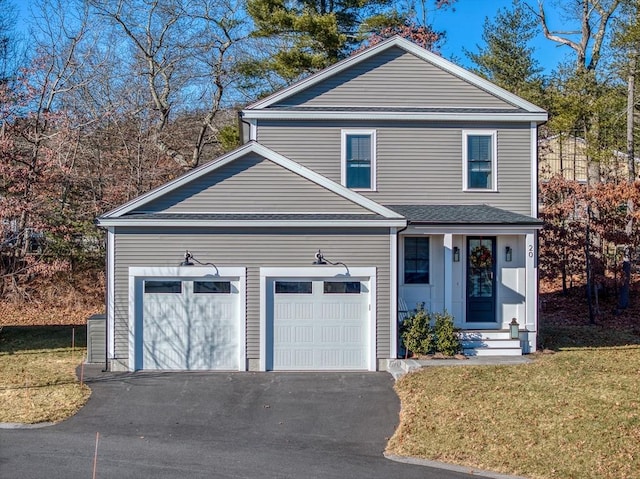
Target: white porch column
(448, 272)
(531, 272)
(393, 294)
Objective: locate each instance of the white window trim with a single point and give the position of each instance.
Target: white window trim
(494, 159)
(402, 262)
(343, 157)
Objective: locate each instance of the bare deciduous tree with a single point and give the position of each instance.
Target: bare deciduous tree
(186, 53)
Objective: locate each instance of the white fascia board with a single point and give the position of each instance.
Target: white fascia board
(410, 47)
(470, 77)
(473, 229)
(252, 147)
(322, 74)
(396, 115)
(178, 182)
(325, 182)
(253, 223)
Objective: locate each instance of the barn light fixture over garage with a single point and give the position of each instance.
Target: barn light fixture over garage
(321, 260)
(189, 261)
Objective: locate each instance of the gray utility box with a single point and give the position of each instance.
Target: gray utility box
(97, 338)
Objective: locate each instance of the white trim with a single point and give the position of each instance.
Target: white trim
(137, 273)
(343, 157)
(110, 296)
(517, 115)
(319, 272)
(265, 152)
(531, 288)
(411, 48)
(253, 129)
(393, 294)
(448, 272)
(494, 160)
(534, 169)
(195, 223)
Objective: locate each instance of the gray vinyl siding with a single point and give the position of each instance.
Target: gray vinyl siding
(395, 78)
(250, 248)
(416, 162)
(256, 185)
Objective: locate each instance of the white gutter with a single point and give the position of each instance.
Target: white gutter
(393, 115)
(140, 222)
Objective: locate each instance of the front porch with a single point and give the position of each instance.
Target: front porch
(483, 274)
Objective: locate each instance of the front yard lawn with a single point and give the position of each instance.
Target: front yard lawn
(38, 380)
(573, 414)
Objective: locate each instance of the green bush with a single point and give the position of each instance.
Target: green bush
(417, 333)
(447, 338)
(420, 337)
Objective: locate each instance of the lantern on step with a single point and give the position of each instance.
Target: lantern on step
(514, 329)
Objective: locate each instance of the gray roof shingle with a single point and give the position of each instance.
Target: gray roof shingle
(462, 214)
(254, 216)
(356, 109)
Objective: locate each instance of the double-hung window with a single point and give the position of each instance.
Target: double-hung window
(479, 157)
(416, 260)
(358, 159)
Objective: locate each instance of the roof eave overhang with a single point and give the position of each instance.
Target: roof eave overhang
(137, 222)
(391, 116)
(251, 147)
(486, 229)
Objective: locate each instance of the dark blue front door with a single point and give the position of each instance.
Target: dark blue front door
(481, 282)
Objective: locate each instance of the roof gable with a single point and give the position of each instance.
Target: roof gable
(394, 78)
(240, 182)
(368, 71)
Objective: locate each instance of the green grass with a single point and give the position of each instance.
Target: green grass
(573, 414)
(38, 382)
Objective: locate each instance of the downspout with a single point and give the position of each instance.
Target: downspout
(243, 126)
(106, 297)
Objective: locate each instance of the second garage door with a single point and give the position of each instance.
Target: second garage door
(319, 324)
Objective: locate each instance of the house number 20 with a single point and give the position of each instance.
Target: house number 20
(530, 251)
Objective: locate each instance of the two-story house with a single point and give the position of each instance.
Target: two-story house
(389, 179)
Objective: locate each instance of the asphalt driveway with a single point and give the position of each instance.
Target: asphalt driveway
(220, 425)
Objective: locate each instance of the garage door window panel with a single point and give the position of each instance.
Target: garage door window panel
(294, 287)
(164, 287)
(342, 287)
(212, 287)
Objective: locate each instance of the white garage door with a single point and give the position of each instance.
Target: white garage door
(319, 324)
(189, 324)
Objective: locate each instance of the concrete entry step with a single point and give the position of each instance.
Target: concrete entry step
(493, 352)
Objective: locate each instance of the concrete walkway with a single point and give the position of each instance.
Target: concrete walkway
(399, 367)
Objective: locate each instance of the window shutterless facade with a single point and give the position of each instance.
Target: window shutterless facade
(416, 260)
(479, 159)
(359, 159)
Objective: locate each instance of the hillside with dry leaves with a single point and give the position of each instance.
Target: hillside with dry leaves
(66, 300)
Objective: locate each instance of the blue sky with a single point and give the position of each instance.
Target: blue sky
(463, 25)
